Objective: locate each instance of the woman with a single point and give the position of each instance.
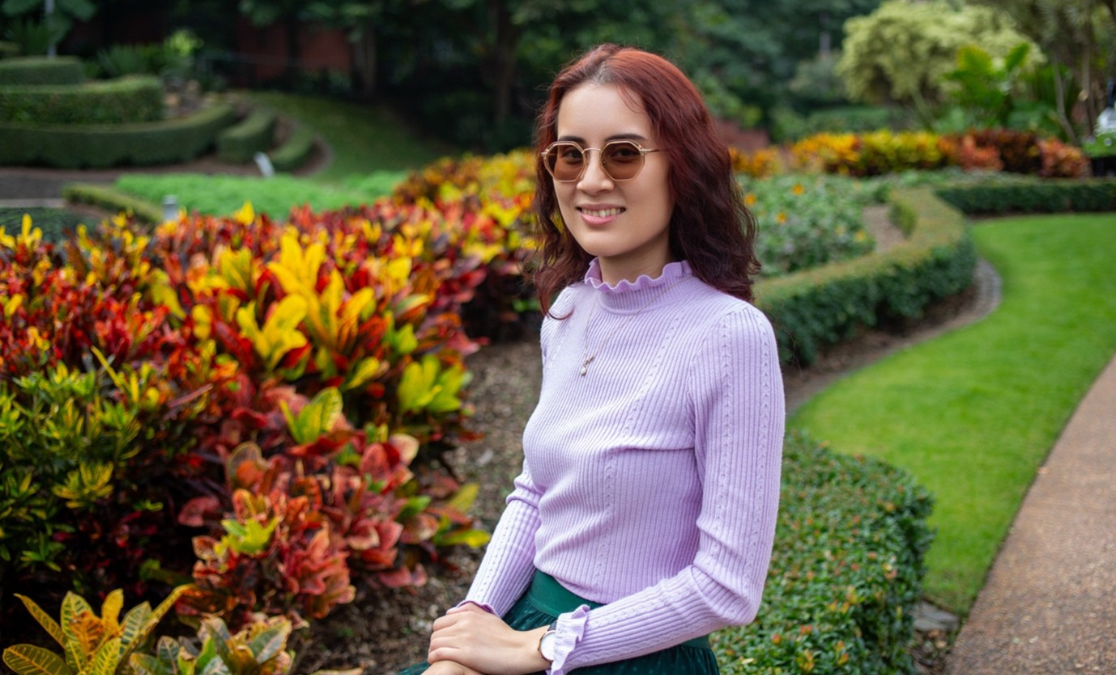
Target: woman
(644, 516)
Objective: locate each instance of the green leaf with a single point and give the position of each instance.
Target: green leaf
(136, 634)
(106, 658)
(318, 417)
(463, 499)
(79, 9)
(32, 660)
(44, 619)
(16, 7)
(269, 643)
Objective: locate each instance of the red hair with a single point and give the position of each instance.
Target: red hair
(710, 226)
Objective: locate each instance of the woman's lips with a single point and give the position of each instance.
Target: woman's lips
(599, 215)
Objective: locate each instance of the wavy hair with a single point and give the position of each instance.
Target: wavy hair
(710, 227)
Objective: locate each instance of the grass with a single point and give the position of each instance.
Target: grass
(222, 195)
(973, 414)
(364, 138)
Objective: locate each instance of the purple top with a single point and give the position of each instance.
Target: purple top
(651, 483)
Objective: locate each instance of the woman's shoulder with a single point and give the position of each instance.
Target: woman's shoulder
(719, 307)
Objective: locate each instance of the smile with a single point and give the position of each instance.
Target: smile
(601, 213)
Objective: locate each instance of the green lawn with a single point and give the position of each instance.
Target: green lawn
(973, 414)
(364, 138)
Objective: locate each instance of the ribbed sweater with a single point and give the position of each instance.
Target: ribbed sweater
(651, 483)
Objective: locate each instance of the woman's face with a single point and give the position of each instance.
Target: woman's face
(624, 223)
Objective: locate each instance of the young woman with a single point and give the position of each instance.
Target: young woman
(644, 516)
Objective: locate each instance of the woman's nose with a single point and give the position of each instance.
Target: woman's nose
(595, 178)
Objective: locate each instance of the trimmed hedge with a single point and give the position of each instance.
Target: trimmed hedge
(1033, 196)
(114, 200)
(825, 305)
(41, 70)
(294, 152)
(240, 142)
(54, 223)
(127, 100)
(165, 142)
(846, 570)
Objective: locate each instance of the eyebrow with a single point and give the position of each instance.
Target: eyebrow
(614, 137)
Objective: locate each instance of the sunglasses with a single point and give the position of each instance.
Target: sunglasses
(621, 160)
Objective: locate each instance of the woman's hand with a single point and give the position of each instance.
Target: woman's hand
(470, 636)
(449, 668)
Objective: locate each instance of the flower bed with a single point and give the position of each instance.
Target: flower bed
(282, 393)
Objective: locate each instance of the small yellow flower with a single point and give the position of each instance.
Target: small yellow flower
(798, 189)
(749, 199)
(781, 218)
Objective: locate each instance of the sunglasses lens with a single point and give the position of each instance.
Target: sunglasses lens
(565, 161)
(622, 160)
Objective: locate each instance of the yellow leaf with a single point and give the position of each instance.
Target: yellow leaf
(32, 660)
(246, 215)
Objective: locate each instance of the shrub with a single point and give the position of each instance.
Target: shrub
(759, 164)
(1033, 196)
(77, 146)
(822, 306)
(293, 153)
(870, 154)
(125, 101)
(805, 222)
(845, 573)
(240, 142)
(113, 200)
(90, 643)
(55, 223)
(41, 70)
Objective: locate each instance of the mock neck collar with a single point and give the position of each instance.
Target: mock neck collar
(630, 296)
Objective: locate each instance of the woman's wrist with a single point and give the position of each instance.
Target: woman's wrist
(533, 657)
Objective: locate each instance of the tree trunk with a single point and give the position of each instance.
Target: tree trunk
(503, 58)
(364, 61)
(1060, 94)
(291, 28)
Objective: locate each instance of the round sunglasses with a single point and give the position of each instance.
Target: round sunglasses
(621, 160)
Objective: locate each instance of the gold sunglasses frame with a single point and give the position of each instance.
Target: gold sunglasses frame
(643, 152)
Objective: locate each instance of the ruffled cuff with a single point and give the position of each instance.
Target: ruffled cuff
(483, 605)
(571, 626)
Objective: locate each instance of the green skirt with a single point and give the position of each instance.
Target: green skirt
(546, 599)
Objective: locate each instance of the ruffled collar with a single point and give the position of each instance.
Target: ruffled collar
(629, 296)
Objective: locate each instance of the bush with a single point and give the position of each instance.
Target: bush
(293, 153)
(870, 154)
(55, 223)
(846, 570)
(825, 305)
(1033, 196)
(72, 147)
(240, 142)
(40, 70)
(113, 200)
(124, 101)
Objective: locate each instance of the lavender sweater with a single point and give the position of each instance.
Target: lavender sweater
(651, 483)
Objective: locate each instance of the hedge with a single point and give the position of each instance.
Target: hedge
(111, 199)
(56, 224)
(127, 100)
(240, 143)
(294, 152)
(1033, 196)
(825, 305)
(165, 142)
(41, 70)
(846, 570)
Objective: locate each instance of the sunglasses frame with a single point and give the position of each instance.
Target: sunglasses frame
(643, 152)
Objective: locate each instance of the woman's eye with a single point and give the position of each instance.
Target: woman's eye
(570, 155)
(623, 154)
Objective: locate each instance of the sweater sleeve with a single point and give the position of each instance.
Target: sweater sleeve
(736, 392)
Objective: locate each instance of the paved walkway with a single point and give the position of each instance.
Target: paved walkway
(1049, 605)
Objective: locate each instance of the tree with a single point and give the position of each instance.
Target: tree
(1080, 34)
(58, 15)
(902, 52)
(290, 14)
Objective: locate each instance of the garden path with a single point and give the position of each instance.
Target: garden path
(1047, 604)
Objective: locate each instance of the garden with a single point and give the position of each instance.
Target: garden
(270, 429)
